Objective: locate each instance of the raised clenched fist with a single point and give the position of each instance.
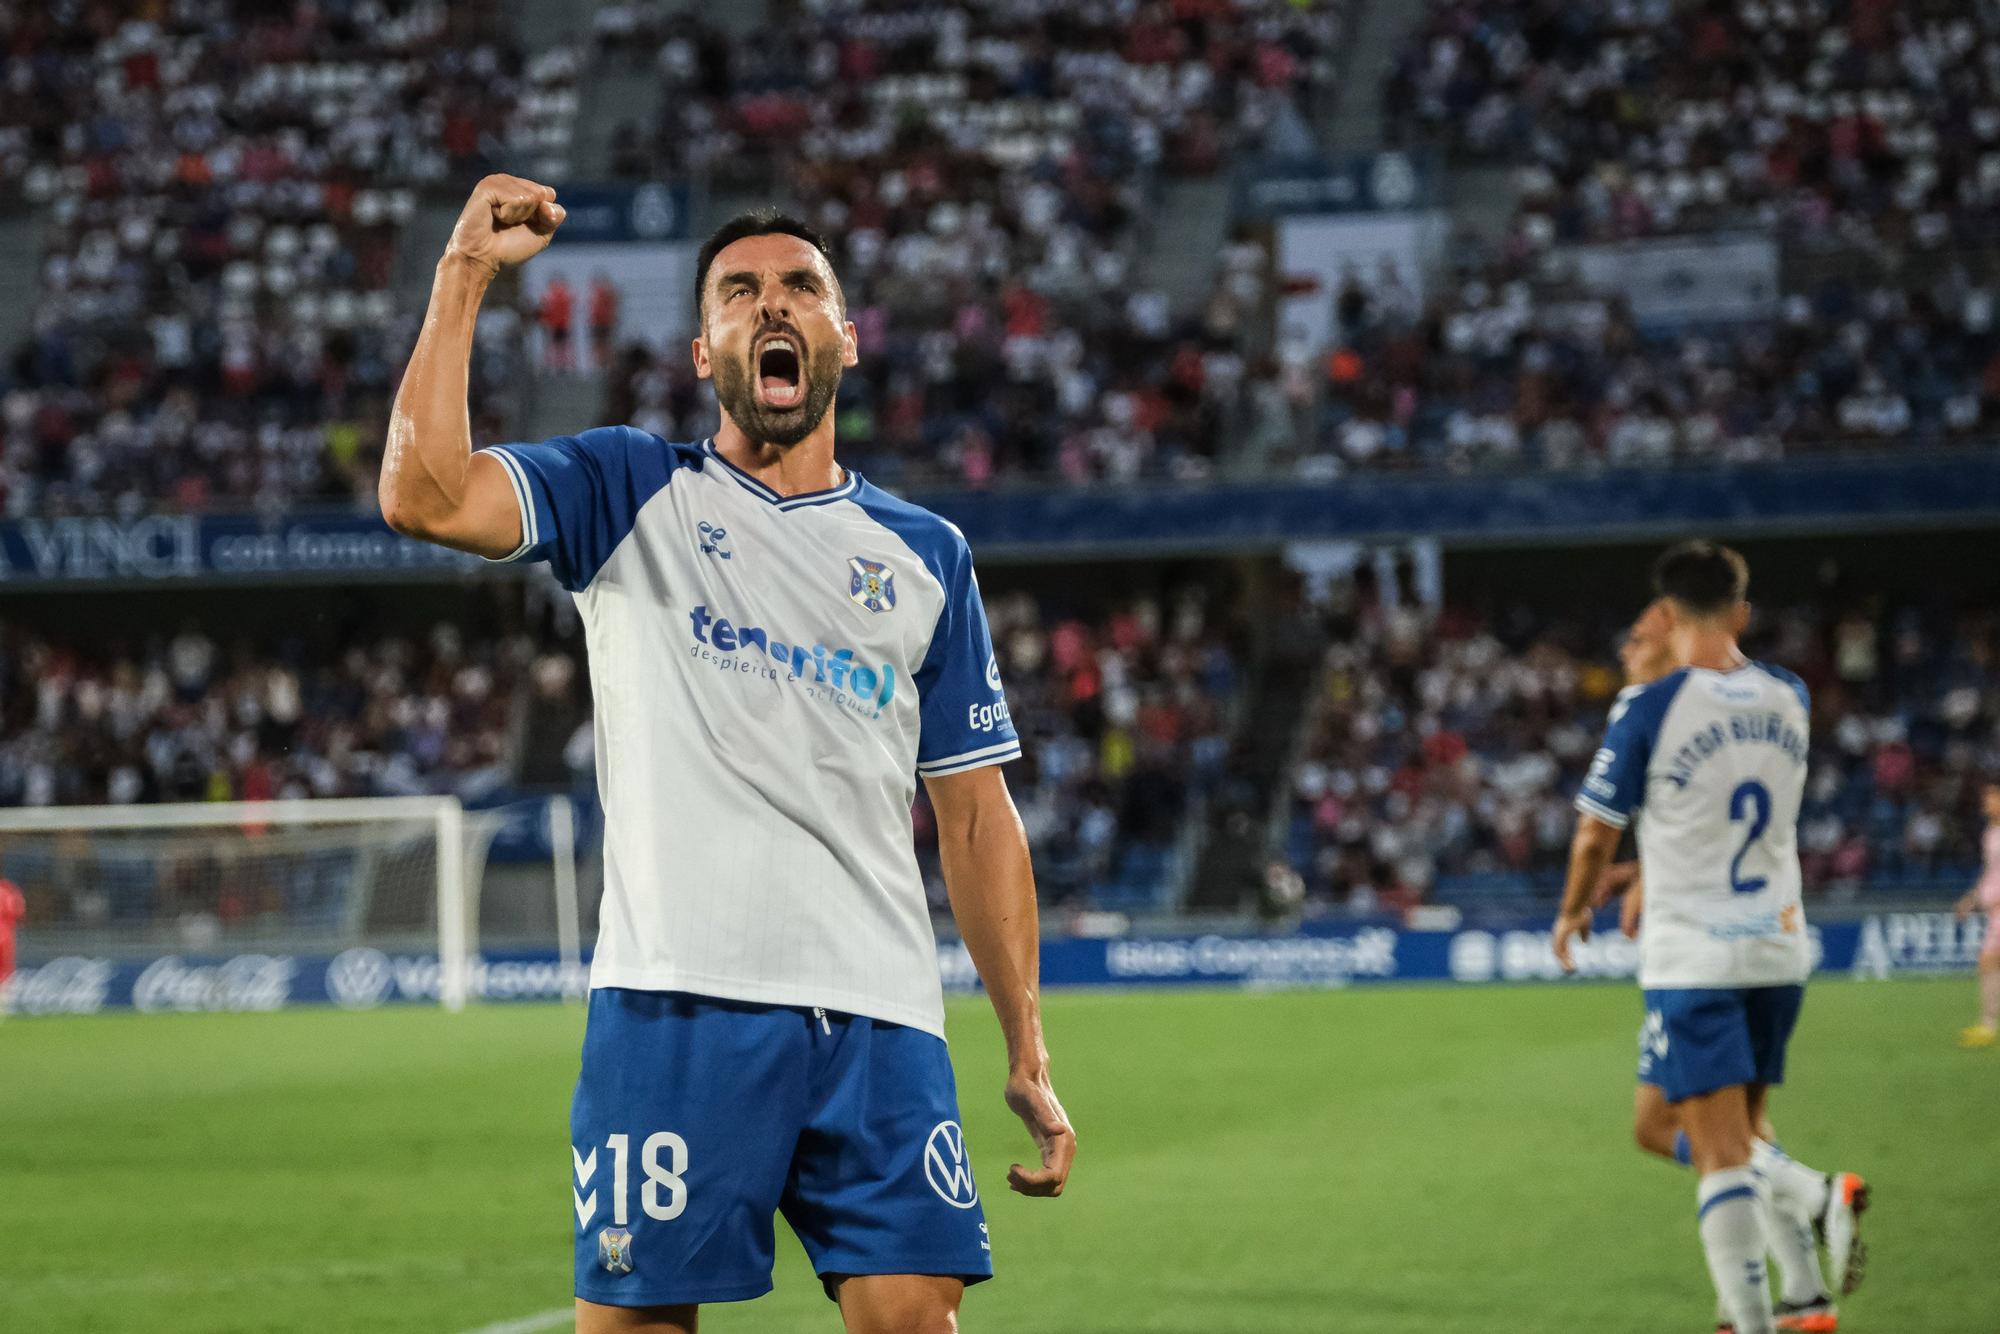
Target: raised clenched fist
(507, 220)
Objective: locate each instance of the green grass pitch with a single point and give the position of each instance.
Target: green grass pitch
(1374, 1161)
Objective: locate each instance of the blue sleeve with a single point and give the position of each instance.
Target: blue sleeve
(964, 722)
(1615, 787)
(1791, 679)
(580, 495)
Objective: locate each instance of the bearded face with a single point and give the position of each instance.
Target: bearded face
(775, 337)
(778, 389)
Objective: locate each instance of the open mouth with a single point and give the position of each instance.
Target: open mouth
(779, 381)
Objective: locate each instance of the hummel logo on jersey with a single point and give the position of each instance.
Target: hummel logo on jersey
(712, 539)
(871, 583)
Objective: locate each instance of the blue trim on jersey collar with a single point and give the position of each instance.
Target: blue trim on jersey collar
(756, 488)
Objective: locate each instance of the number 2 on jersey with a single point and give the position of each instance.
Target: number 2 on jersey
(1750, 800)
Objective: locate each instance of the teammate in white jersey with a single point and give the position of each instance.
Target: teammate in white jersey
(1715, 755)
(1812, 1204)
(777, 650)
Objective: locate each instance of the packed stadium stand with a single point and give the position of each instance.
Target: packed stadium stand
(1127, 720)
(1871, 123)
(224, 190)
(182, 717)
(1443, 750)
(988, 170)
(1315, 385)
(855, 94)
(234, 209)
(1502, 370)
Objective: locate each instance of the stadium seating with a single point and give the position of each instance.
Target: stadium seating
(1127, 715)
(1506, 369)
(1443, 750)
(1438, 760)
(983, 170)
(1107, 90)
(216, 326)
(223, 202)
(182, 717)
(216, 329)
(1870, 124)
(1126, 718)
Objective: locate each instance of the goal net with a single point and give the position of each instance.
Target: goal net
(322, 877)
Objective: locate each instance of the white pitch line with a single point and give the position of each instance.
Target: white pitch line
(530, 1324)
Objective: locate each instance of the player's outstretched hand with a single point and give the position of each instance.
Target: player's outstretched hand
(1033, 1099)
(1570, 926)
(507, 220)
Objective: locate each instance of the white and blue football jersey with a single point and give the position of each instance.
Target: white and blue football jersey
(1717, 762)
(771, 673)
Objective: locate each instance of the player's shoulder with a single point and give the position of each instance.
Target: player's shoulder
(633, 442)
(1646, 705)
(935, 539)
(1788, 679)
(624, 449)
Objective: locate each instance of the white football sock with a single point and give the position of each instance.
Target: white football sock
(1732, 1235)
(1798, 1189)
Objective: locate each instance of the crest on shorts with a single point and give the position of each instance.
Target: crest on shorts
(614, 1250)
(871, 583)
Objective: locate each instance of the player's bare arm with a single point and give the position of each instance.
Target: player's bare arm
(1590, 852)
(432, 485)
(992, 887)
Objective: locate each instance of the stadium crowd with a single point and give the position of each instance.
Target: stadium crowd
(224, 185)
(1501, 369)
(1439, 754)
(1444, 748)
(1106, 89)
(1857, 122)
(185, 718)
(1126, 717)
(984, 171)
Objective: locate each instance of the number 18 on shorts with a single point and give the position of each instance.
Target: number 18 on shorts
(695, 1120)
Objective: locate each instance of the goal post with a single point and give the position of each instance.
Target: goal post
(319, 875)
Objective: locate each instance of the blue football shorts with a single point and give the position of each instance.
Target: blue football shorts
(1699, 1039)
(695, 1120)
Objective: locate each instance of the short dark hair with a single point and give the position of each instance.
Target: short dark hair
(1702, 577)
(757, 222)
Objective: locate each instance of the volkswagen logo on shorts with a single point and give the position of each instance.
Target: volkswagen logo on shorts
(359, 979)
(946, 1169)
